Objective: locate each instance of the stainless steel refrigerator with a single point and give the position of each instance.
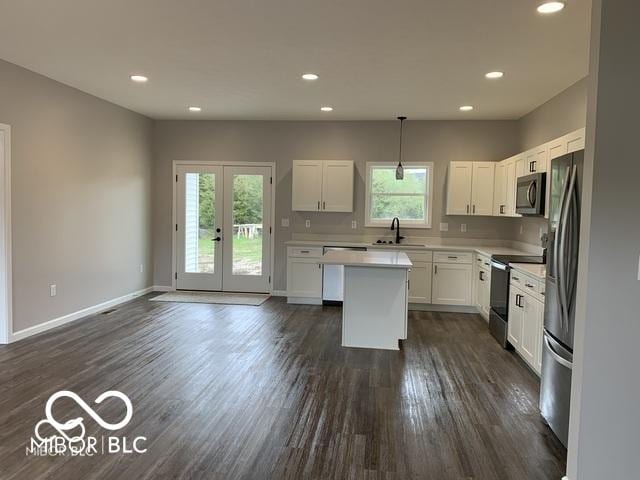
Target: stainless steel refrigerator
(560, 293)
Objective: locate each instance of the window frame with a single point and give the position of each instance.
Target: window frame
(369, 222)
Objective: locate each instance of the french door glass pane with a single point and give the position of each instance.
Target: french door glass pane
(247, 224)
(199, 223)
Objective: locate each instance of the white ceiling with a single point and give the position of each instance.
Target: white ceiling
(242, 59)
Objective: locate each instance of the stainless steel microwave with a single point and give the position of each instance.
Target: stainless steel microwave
(530, 194)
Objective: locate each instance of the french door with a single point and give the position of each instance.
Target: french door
(223, 228)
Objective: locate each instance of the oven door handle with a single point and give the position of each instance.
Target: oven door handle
(499, 266)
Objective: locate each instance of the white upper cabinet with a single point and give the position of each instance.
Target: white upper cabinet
(575, 140)
(470, 188)
(568, 143)
(500, 190)
(337, 186)
(504, 204)
(459, 188)
(534, 161)
(482, 188)
(511, 184)
(322, 186)
(306, 188)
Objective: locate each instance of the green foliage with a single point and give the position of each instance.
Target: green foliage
(410, 205)
(207, 196)
(247, 200)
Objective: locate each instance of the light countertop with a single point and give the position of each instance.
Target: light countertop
(538, 271)
(486, 250)
(354, 258)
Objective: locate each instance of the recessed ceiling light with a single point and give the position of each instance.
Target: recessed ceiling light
(551, 7)
(495, 75)
(195, 109)
(466, 108)
(310, 76)
(327, 109)
(138, 78)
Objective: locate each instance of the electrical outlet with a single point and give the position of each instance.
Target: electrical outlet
(444, 227)
(284, 222)
(307, 223)
(53, 290)
(463, 227)
(354, 224)
(141, 268)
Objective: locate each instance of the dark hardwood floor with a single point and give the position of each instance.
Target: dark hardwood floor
(235, 392)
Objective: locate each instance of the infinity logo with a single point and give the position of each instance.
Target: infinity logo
(62, 428)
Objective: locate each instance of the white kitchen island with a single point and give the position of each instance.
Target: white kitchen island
(375, 302)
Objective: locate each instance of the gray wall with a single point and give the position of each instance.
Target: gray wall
(604, 435)
(564, 113)
(281, 142)
(81, 186)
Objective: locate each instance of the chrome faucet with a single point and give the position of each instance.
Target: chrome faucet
(395, 225)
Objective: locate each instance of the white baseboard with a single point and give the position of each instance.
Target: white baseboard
(57, 322)
(279, 293)
(163, 288)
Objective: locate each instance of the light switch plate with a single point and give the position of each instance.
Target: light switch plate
(284, 222)
(141, 268)
(463, 227)
(307, 223)
(354, 224)
(444, 227)
(53, 290)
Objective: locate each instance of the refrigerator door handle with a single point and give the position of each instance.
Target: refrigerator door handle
(555, 355)
(563, 286)
(557, 252)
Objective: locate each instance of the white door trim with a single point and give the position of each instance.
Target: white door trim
(6, 311)
(174, 265)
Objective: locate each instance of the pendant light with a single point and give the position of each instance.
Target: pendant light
(399, 169)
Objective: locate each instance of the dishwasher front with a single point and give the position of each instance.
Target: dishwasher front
(333, 279)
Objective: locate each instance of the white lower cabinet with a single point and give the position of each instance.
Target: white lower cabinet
(451, 284)
(482, 289)
(525, 326)
(420, 282)
(304, 275)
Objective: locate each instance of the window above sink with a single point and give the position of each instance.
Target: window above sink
(409, 199)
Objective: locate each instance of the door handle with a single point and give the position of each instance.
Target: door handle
(318, 204)
(467, 208)
(217, 239)
(435, 271)
(474, 209)
(324, 205)
(554, 354)
(482, 276)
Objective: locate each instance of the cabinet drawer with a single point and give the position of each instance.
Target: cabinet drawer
(415, 256)
(526, 283)
(453, 257)
(483, 261)
(311, 252)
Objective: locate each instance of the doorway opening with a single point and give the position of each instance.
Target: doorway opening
(223, 239)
